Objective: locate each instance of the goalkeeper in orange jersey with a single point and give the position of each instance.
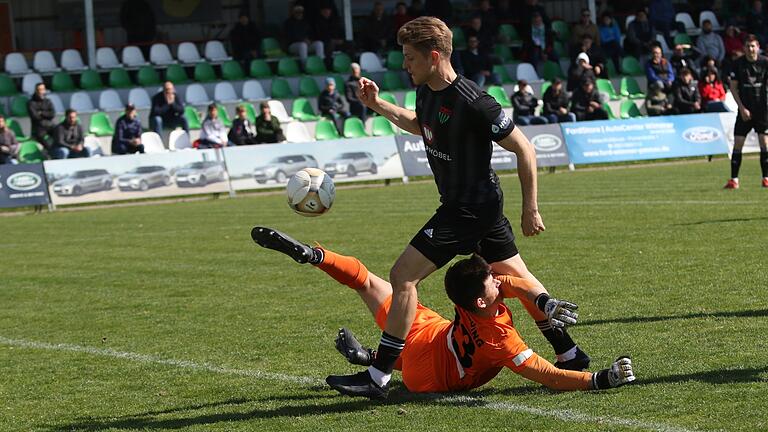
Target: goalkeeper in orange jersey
(442, 355)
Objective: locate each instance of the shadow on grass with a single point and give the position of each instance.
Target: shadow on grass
(721, 376)
(717, 221)
(755, 313)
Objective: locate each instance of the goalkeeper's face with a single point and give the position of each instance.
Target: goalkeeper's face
(491, 297)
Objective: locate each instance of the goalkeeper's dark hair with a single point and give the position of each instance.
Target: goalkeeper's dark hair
(464, 281)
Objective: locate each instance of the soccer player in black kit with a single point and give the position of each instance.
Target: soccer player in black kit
(458, 121)
(748, 85)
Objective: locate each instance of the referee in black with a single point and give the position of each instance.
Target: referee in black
(458, 122)
(748, 85)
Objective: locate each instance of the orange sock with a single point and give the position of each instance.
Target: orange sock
(346, 270)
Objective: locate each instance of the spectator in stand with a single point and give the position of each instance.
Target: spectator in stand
(328, 29)
(712, 91)
(556, 103)
(298, 34)
(662, 15)
(482, 32)
(213, 133)
(268, 128)
(245, 38)
(682, 59)
(524, 106)
(138, 19)
(127, 137)
(656, 101)
(539, 45)
(241, 131)
(401, 16)
(167, 110)
(331, 105)
(734, 42)
(68, 138)
(610, 39)
(685, 95)
(9, 146)
(586, 104)
(488, 16)
(710, 43)
(659, 69)
(477, 65)
(757, 21)
(640, 35)
(596, 57)
(580, 70)
(378, 29)
(41, 114)
(351, 87)
(585, 26)
(526, 13)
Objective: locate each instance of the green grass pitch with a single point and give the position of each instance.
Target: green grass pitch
(168, 317)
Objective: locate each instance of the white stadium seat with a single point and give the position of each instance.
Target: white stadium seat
(72, 61)
(44, 62)
(196, 95)
(278, 110)
(215, 51)
(187, 53)
(709, 15)
(629, 19)
(152, 142)
(109, 100)
(160, 54)
(687, 20)
(663, 43)
(107, 59)
(58, 105)
(252, 90)
(370, 62)
(179, 140)
(526, 71)
(16, 64)
(224, 92)
(29, 82)
(139, 98)
(94, 145)
(297, 132)
(81, 102)
(133, 57)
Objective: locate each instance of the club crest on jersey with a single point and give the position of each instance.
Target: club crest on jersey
(444, 114)
(428, 135)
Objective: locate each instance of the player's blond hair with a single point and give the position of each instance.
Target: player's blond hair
(427, 34)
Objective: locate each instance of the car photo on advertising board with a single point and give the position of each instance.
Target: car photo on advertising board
(144, 177)
(351, 163)
(82, 182)
(198, 174)
(281, 168)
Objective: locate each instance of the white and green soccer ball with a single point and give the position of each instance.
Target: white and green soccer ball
(310, 192)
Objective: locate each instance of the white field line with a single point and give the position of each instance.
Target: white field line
(647, 202)
(458, 401)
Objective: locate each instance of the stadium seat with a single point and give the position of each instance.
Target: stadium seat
(62, 82)
(107, 59)
(551, 70)
(341, 62)
(687, 21)
(610, 69)
(308, 87)
(215, 52)
(29, 81)
(629, 110)
(297, 132)
(100, 125)
(177, 75)
(7, 86)
(410, 100)
(188, 54)
(204, 72)
(16, 128)
(326, 130)
(500, 95)
(607, 108)
(315, 66)
(133, 57)
(16, 64)
(147, 76)
(193, 117)
(91, 80)
(160, 55)
(252, 90)
(302, 110)
(459, 38)
(93, 144)
(270, 47)
(58, 105)
(109, 100)
(44, 62)
(369, 62)
(709, 15)
(392, 81)
(278, 110)
(503, 73)
(224, 116)
(562, 30)
(19, 106)
(250, 112)
(631, 89)
(528, 89)
(232, 71)
(509, 35)
(260, 69)
(604, 86)
(503, 52)
(628, 20)
(631, 66)
(139, 98)
(382, 127)
(526, 71)
(196, 95)
(683, 38)
(389, 97)
(340, 82)
(72, 61)
(544, 86)
(662, 42)
(354, 128)
(224, 92)
(179, 140)
(280, 89)
(395, 60)
(119, 78)
(288, 67)
(152, 142)
(81, 102)
(30, 153)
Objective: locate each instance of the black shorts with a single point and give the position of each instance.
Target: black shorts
(758, 122)
(466, 229)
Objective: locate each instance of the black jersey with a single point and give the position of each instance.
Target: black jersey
(459, 124)
(751, 77)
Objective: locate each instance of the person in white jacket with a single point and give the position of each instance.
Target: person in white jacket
(213, 133)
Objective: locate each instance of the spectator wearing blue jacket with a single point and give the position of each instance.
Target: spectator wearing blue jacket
(610, 39)
(659, 69)
(127, 137)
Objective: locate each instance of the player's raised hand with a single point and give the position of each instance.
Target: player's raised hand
(531, 223)
(561, 313)
(368, 92)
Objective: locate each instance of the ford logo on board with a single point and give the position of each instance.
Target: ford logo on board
(701, 134)
(547, 142)
(23, 181)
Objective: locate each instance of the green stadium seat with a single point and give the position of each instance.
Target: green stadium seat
(509, 35)
(16, 128)
(605, 86)
(288, 67)
(631, 66)
(395, 60)
(354, 128)
(383, 127)
(7, 86)
(389, 97)
(629, 110)
(232, 71)
(91, 80)
(147, 76)
(315, 66)
(281, 89)
(607, 108)
(341, 62)
(19, 106)
(260, 69)
(308, 87)
(204, 72)
(459, 38)
(176, 74)
(562, 30)
(100, 125)
(193, 117)
(501, 71)
(224, 115)
(544, 86)
(270, 47)
(683, 38)
(392, 81)
(326, 130)
(631, 89)
(340, 82)
(559, 48)
(119, 78)
(503, 52)
(62, 82)
(250, 112)
(500, 95)
(551, 70)
(410, 100)
(302, 110)
(30, 153)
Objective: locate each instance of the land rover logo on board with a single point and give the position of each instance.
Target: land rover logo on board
(701, 134)
(546, 142)
(23, 181)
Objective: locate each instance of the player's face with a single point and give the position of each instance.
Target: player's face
(419, 65)
(491, 294)
(752, 49)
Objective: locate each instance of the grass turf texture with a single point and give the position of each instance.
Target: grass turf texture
(176, 320)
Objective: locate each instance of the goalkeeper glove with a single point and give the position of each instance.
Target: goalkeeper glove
(559, 312)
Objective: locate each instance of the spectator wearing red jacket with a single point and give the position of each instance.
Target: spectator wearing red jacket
(712, 92)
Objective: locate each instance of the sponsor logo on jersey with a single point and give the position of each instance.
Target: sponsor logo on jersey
(444, 114)
(23, 181)
(701, 134)
(428, 232)
(546, 142)
(501, 123)
(428, 135)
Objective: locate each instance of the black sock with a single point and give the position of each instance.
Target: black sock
(600, 380)
(764, 162)
(317, 256)
(559, 338)
(389, 350)
(735, 163)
